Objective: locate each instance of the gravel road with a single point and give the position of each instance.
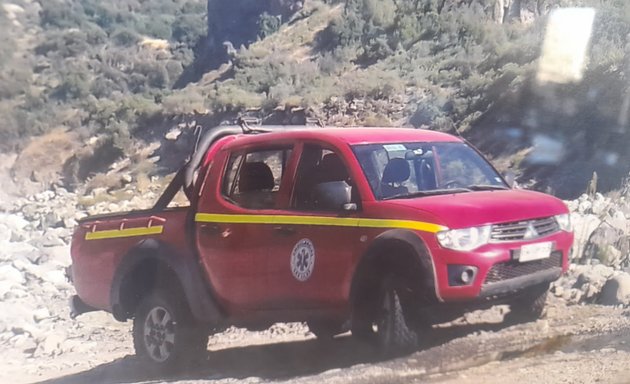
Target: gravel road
(572, 344)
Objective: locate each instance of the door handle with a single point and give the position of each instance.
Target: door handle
(210, 229)
(286, 231)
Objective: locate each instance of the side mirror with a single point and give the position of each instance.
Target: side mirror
(510, 178)
(350, 207)
(333, 196)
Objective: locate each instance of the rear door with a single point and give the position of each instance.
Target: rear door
(311, 255)
(233, 222)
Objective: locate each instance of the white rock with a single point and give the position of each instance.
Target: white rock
(50, 238)
(40, 314)
(619, 221)
(583, 227)
(585, 207)
(11, 274)
(51, 346)
(58, 256)
(13, 221)
(25, 342)
(44, 196)
(5, 233)
(616, 291)
(16, 317)
(69, 223)
(173, 134)
(57, 278)
(113, 207)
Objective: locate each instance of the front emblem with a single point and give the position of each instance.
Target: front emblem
(531, 231)
(303, 259)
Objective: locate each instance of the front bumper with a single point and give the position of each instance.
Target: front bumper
(517, 284)
(499, 274)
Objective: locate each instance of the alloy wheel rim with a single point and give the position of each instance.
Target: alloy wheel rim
(159, 334)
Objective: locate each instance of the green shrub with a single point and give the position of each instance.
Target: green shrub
(60, 14)
(268, 25)
(73, 85)
(189, 28)
(184, 102)
(125, 37)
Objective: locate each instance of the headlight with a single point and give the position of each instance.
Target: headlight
(465, 239)
(564, 222)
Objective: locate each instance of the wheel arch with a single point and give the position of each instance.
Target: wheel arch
(399, 251)
(151, 264)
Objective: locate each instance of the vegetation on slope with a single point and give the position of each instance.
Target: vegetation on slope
(111, 68)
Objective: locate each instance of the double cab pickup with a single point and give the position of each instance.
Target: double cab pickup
(381, 232)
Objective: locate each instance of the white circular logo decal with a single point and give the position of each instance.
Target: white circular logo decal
(303, 259)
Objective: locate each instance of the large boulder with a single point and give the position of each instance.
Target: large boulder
(616, 291)
(582, 283)
(605, 244)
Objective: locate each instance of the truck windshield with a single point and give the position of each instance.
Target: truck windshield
(406, 170)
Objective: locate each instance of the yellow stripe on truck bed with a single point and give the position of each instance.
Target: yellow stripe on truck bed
(127, 232)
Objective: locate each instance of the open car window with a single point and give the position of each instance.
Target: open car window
(252, 180)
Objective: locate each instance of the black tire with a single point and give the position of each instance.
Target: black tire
(530, 306)
(164, 334)
(384, 323)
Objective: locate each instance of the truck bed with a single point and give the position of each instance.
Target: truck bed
(99, 244)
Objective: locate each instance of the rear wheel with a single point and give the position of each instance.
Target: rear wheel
(384, 322)
(530, 306)
(164, 333)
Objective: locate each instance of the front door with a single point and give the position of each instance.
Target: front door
(311, 256)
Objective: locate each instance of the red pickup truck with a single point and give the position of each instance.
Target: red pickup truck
(383, 232)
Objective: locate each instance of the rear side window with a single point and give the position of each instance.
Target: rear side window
(252, 180)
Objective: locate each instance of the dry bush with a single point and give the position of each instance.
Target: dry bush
(186, 101)
(107, 181)
(43, 157)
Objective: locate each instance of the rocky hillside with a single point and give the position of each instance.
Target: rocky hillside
(101, 81)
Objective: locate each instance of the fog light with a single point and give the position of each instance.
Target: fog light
(467, 275)
(461, 275)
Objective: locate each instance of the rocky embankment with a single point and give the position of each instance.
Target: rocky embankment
(600, 269)
(35, 235)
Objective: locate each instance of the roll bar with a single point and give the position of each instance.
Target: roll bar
(185, 176)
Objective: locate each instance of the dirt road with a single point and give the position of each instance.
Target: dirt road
(573, 344)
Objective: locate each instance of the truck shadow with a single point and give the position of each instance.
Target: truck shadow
(277, 361)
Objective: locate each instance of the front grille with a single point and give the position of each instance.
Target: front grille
(524, 230)
(511, 269)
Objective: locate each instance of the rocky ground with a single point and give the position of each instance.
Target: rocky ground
(584, 338)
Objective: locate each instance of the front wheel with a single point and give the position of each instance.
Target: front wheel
(530, 306)
(164, 334)
(385, 322)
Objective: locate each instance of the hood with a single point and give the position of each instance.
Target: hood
(467, 209)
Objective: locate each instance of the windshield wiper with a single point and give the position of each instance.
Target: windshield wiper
(486, 187)
(432, 192)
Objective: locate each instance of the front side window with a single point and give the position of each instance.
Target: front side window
(414, 169)
(322, 182)
(252, 180)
